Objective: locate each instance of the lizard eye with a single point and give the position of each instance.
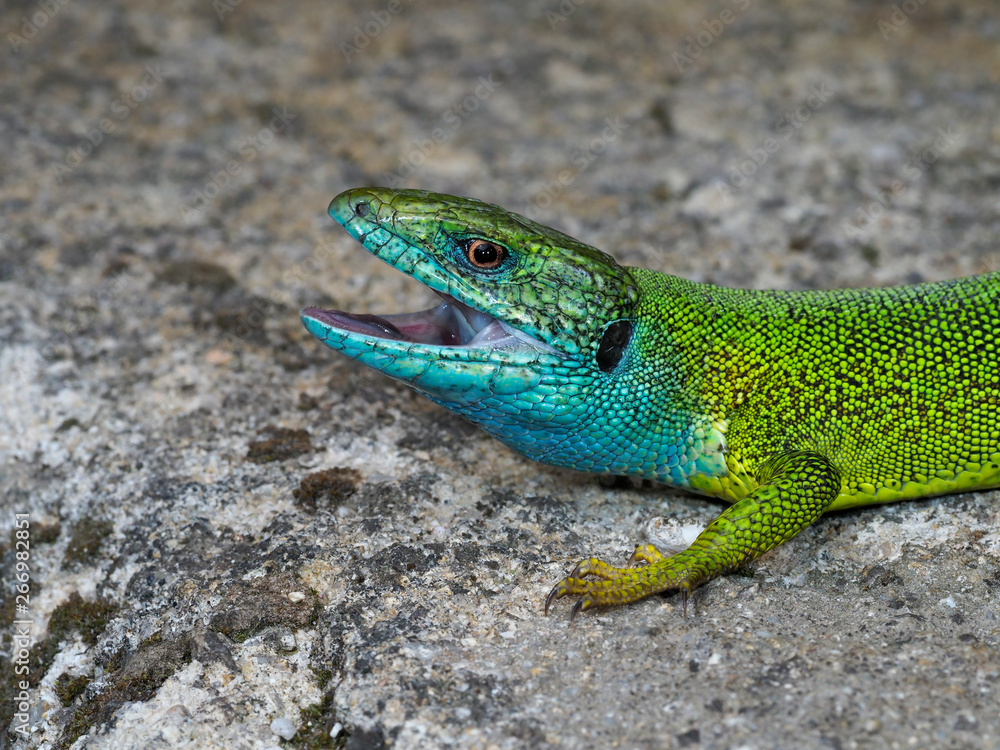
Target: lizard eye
(485, 254)
(613, 343)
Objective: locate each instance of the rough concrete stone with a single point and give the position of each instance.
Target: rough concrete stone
(234, 529)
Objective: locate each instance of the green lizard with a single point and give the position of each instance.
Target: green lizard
(784, 404)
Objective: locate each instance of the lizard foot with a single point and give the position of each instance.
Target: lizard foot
(795, 488)
(600, 584)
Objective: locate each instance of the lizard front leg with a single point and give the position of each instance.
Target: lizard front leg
(793, 490)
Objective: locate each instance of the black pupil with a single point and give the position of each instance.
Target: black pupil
(485, 254)
(613, 343)
(361, 209)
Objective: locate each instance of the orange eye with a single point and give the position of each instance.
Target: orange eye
(484, 254)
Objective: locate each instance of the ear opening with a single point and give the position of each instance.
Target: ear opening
(613, 343)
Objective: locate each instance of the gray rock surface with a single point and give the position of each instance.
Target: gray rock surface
(236, 534)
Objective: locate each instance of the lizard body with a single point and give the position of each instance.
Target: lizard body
(784, 404)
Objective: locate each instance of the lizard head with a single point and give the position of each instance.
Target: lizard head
(529, 324)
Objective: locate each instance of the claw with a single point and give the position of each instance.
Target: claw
(553, 595)
(598, 584)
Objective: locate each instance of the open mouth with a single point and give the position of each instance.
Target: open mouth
(450, 324)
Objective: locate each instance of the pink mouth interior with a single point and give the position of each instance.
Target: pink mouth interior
(451, 323)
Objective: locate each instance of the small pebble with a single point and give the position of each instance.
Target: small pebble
(283, 728)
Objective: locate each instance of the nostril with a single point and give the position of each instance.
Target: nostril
(361, 209)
